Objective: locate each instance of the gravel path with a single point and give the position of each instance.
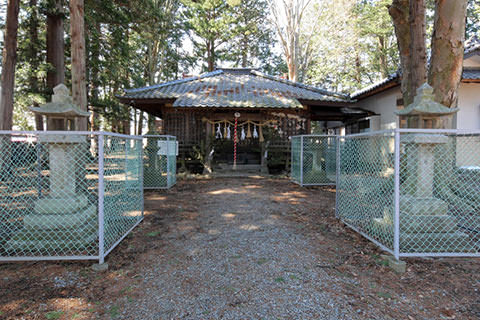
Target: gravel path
(233, 255)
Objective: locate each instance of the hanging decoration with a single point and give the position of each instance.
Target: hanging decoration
(228, 136)
(242, 137)
(255, 133)
(249, 132)
(218, 134)
(237, 115)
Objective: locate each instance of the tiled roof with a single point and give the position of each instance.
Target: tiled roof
(472, 47)
(394, 77)
(468, 74)
(471, 74)
(234, 88)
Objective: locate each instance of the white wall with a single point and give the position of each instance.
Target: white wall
(468, 117)
(384, 104)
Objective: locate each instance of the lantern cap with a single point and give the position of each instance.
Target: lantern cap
(61, 105)
(424, 103)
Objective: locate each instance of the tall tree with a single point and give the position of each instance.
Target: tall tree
(33, 57)
(55, 43)
(409, 20)
(448, 41)
(210, 22)
(79, 86)
(287, 18)
(253, 37)
(8, 65)
(447, 47)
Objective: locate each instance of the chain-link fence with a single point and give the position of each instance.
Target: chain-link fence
(160, 161)
(313, 160)
(68, 195)
(413, 192)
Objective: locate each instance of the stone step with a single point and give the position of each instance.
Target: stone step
(240, 167)
(437, 242)
(60, 221)
(455, 241)
(420, 224)
(60, 205)
(28, 240)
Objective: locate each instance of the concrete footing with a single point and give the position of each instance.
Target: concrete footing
(396, 265)
(100, 267)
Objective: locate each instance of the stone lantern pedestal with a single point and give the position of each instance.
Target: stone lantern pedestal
(64, 219)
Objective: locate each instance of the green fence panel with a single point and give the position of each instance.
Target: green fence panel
(160, 161)
(439, 196)
(313, 160)
(365, 186)
(62, 197)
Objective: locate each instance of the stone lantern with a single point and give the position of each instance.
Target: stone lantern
(425, 112)
(64, 217)
(61, 112)
(426, 224)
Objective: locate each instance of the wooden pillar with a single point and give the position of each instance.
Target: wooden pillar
(207, 167)
(308, 126)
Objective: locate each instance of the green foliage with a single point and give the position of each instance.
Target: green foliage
(355, 45)
(473, 22)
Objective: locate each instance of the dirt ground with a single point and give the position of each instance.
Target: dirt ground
(195, 225)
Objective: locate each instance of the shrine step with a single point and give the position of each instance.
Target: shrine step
(254, 168)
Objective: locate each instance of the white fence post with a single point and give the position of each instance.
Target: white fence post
(101, 190)
(337, 173)
(396, 231)
(301, 160)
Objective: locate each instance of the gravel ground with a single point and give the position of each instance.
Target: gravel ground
(241, 248)
(237, 258)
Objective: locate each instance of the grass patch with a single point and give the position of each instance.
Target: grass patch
(114, 311)
(280, 280)
(153, 234)
(262, 261)
(384, 295)
(53, 315)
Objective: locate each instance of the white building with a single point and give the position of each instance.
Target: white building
(384, 98)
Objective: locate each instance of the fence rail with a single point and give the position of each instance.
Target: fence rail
(68, 195)
(160, 161)
(413, 192)
(313, 159)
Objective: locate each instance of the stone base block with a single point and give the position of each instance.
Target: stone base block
(60, 221)
(60, 205)
(422, 206)
(57, 241)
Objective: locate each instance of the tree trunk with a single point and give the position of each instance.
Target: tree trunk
(245, 52)
(418, 55)
(8, 65)
(399, 11)
(448, 38)
(33, 59)
(211, 55)
(79, 87)
(55, 45)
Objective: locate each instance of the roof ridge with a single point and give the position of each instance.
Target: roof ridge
(178, 81)
(300, 85)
